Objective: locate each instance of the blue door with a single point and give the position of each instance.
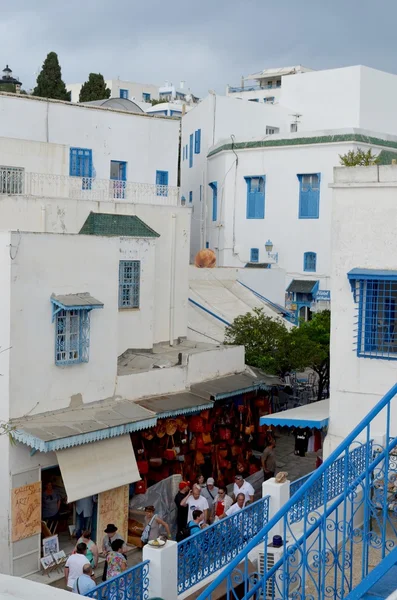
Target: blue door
(162, 183)
(118, 175)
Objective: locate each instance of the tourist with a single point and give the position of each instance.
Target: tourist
(115, 559)
(242, 486)
(51, 503)
(74, 565)
(84, 508)
(197, 522)
(110, 537)
(209, 492)
(269, 460)
(181, 511)
(92, 549)
(85, 582)
(201, 481)
(221, 504)
(237, 506)
(153, 522)
(195, 501)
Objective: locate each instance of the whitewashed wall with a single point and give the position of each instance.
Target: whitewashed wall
(146, 144)
(135, 90)
(363, 236)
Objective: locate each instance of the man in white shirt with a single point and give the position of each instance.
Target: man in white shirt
(237, 506)
(75, 563)
(243, 487)
(195, 501)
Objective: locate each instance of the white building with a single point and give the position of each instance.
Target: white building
(141, 92)
(364, 295)
(93, 319)
(264, 86)
(257, 176)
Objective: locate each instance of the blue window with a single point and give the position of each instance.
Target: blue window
(191, 151)
(269, 99)
(72, 336)
(309, 196)
(145, 97)
(214, 188)
(207, 244)
(190, 196)
(254, 255)
(124, 94)
(253, 100)
(255, 197)
(162, 183)
(309, 261)
(377, 314)
(197, 141)
(129, 283)
(118, 175)
(80, 163)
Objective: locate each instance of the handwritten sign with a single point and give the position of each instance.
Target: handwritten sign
(26, 511)
(113, 508)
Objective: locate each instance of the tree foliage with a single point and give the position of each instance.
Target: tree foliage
(49, 81)
(94, 89)
(358, 158)
(161, 101)
(270, 346)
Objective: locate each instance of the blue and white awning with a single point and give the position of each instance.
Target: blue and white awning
(314, 415)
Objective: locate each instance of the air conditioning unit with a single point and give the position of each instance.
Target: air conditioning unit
(273, 556)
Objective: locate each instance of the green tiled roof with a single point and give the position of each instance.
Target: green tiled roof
(117, 225)
(304, 141)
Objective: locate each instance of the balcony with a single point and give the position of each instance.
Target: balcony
(15, 181)
(255, 88)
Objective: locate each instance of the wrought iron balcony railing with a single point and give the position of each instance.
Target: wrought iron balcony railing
(17, 182)
(133, 584)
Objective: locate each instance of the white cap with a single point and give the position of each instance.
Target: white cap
(210, 481)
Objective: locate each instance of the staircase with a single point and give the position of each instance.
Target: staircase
(339, 528)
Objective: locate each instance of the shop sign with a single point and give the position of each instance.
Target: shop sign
(113, 508)
(323, 296)
(26, 511)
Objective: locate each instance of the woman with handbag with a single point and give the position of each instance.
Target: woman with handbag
(152, 526)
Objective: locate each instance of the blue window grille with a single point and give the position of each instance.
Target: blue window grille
(129, 283)
(254, 255)
(72, 336)
(145, 97)
(124, 94)
(190, 196)
(309, 196)
(162, 183)
(214, 188)
(377, 317)
(197, 141)
(255, 197)
(309, 261)
(191, 151)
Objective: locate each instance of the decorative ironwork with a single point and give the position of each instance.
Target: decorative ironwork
(297, 484)
(213, 548)
(15, 181)
(133, 584)
(336, 526)
(72, 336)
(129, 283)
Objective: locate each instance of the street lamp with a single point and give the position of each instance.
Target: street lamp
(269, 248)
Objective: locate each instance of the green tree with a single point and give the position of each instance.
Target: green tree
(49, 81)
(94, 89)
(270, 346)
(358, 158)
(161, 101)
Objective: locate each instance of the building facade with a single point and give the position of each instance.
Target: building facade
(141, 92)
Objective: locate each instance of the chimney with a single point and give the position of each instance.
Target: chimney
(182, 85)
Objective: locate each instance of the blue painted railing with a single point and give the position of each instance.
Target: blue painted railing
(297, 484)
(133, 584)
(330, 549)
(213, 548)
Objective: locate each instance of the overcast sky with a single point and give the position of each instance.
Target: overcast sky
(208, 43)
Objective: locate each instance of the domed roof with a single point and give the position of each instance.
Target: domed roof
(116, 103)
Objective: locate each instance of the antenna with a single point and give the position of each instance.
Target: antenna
(296, 116)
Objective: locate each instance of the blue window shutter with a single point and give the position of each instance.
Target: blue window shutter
(255, 197)
(254, 255)
(80, 164)
(162, 182)
(191, 151)
(124, 94)
(190, 196)
(309, 196)
(207, 244)
(197, 141)
(309, 262)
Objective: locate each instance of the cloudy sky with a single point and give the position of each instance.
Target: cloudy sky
(208, 43)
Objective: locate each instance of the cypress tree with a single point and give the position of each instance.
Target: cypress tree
(94, 89)
(49, 82)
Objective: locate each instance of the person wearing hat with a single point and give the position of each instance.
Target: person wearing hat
(181, 511)
(110, 537)
(210, 492)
